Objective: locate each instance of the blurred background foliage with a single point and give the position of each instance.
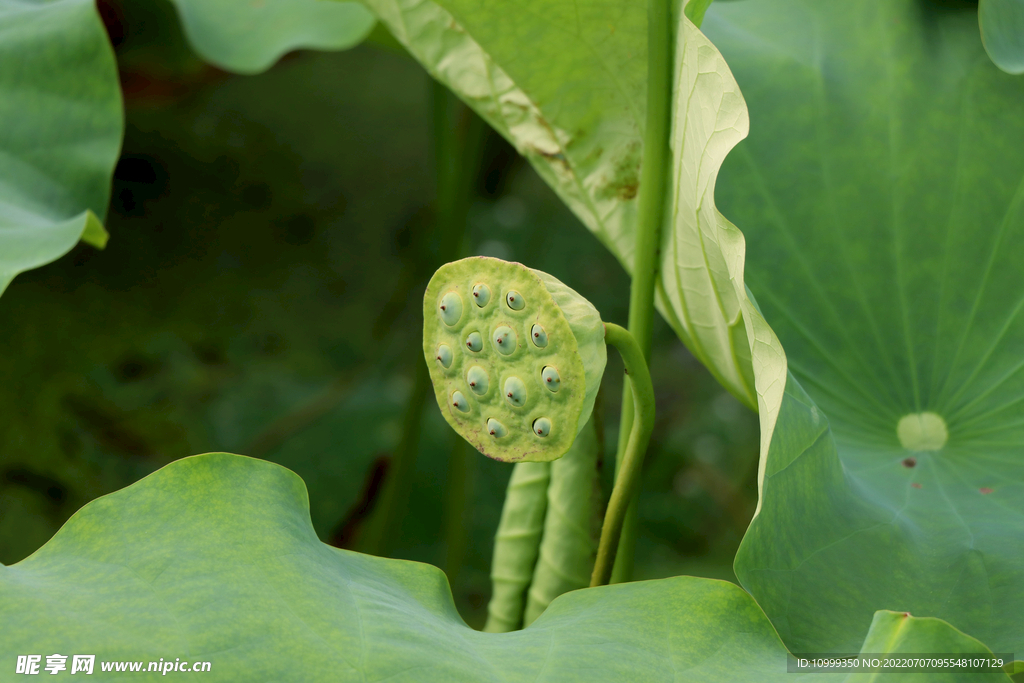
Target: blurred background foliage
(261, 292)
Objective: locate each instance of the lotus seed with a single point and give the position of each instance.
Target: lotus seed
(477, 379)
(474, 342)
(515, 300)
(538, 336)
(444, 355)
(505, 340)
(460, 402)
(549, 376)
(515, 391)
(451, 308)
(481, 294)
(495, 428)
(542, 426)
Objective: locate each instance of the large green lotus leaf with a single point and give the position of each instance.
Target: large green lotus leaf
(1002, 32)
(60, 130)
(247, 36)
(882, 193)
(213, 558)
(566, 83)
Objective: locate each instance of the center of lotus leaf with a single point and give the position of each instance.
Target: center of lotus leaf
(922, 432)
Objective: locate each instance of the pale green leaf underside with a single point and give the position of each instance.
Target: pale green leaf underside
(565, 82)
(213, 558)
(247, 36)
(882, 195)
(1002, 32)
(60, 130)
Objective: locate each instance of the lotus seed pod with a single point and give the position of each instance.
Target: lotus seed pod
(538, 336)
(444, 355)
(474, 342)
(549, 376)
(481, 294)
(513, 304)
(477, 380)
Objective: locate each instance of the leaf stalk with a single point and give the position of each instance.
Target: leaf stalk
(628, 474)
(646, 258)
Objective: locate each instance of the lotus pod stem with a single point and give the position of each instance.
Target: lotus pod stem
(526, 356)
(568, 546)
(516, 544)
(628, 472)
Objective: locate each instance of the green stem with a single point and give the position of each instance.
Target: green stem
(456, 492)
(458, 136)
(651, 210)
(390, 509)
(628, 474)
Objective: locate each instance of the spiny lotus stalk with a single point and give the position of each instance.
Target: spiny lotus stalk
(515, 357)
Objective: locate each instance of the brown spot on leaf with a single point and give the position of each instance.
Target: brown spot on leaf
(554, 157)
(624, 180)
(916, 485)
(909, 462)
(986, 490)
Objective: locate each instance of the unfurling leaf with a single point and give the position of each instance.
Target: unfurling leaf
(569, 543)
(516, 544)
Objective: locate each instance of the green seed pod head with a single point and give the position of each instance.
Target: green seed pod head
(519, 302)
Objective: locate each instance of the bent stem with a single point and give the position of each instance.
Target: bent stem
(633, 457)
(653, 181)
